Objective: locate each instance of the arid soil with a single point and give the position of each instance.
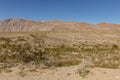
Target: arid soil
(63, 73)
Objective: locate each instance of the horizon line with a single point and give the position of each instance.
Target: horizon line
(102, 22)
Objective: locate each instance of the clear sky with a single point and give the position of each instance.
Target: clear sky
(91, 11)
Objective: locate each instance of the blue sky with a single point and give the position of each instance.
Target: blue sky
(91, 11)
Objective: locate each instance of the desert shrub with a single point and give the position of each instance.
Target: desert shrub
(20, 52)
(84, 68)
(32, 49)
(21, 39)
(114, 47)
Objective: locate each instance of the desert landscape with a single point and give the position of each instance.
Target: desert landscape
(58, 50)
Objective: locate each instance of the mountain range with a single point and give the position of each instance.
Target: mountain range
(21, 25)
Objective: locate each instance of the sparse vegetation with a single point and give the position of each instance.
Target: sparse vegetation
(26, 50)
(22, 51)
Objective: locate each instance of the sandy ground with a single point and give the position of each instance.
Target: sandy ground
(64, 73)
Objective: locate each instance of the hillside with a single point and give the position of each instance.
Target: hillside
(21, 25)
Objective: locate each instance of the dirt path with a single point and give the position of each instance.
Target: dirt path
(64, 73)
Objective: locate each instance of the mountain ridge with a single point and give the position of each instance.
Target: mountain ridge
(22, 25)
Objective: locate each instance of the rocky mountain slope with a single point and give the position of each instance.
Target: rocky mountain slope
(21, 25)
